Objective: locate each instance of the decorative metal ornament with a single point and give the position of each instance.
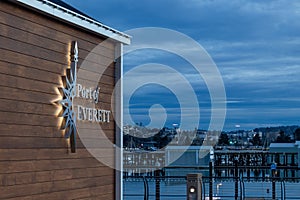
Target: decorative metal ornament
(69, 93)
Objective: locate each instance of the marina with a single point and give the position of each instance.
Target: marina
(231, 174)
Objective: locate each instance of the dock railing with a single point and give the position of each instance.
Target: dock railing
(174, 188)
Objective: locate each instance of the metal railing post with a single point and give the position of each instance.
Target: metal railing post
(146, 189)
(284, 194)
(241, 189)
(273, 185)
(236, 185)
(157, 185)
(210, 181)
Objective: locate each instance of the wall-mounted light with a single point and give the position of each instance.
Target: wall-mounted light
(192, 189)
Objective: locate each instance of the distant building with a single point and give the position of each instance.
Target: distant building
(181, 160)
(286, 152)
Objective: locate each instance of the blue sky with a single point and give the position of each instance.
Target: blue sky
(255, 44)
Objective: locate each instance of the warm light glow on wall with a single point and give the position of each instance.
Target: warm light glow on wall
(66, 92)
(68, 143)
(56, 104)
(59, 93)
(68, 56)
(59, 100)
(59, 122)
(58, 110)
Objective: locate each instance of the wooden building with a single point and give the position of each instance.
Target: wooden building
(36, 162)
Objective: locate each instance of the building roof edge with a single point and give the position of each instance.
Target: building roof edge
(75, 18)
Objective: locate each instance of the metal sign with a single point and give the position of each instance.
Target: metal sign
(72, 90)
(273, 166)
(69, 93)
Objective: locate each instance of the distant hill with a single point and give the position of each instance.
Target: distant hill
(288, 130)
(146, 138)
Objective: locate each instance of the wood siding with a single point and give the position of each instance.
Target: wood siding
(35, 159)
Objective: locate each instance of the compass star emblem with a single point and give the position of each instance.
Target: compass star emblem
(69, 93)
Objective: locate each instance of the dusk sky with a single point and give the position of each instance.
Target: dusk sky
(255, 45)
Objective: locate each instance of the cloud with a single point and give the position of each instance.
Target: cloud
(255, 45)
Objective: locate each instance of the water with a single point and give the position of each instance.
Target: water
(223, 190)
(175, 188)
(168, 191)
